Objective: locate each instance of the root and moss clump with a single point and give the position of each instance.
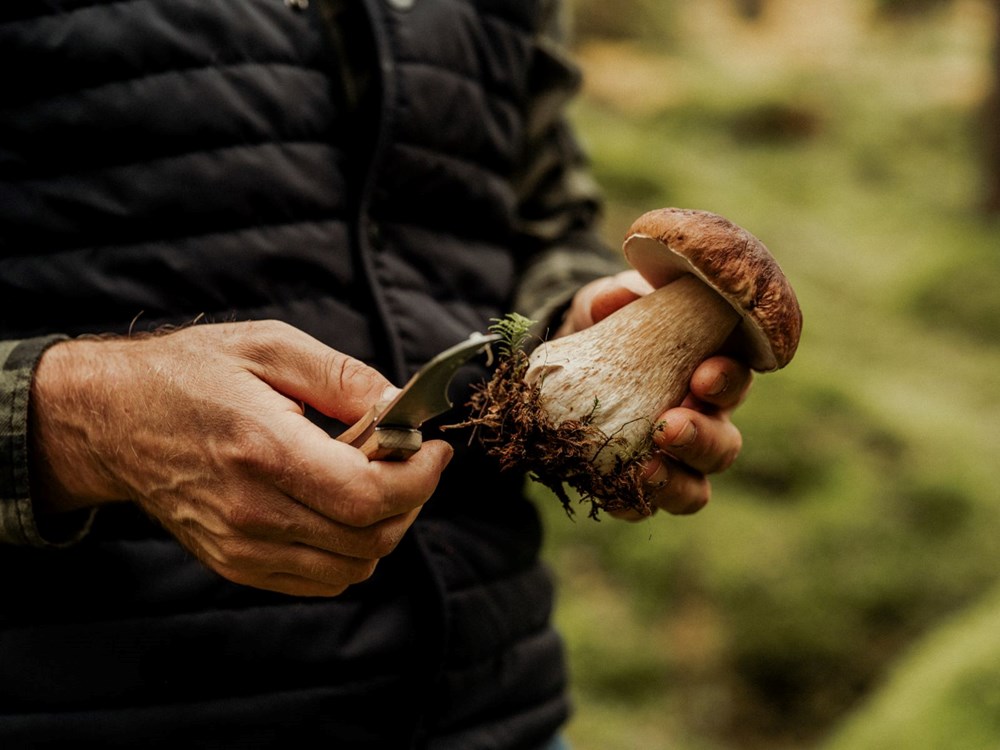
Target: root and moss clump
(510, 420)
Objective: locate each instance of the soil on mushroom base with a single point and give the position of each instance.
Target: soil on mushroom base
(510, 421)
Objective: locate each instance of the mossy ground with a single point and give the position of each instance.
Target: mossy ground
(862, 510)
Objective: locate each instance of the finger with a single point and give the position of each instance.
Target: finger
(304, 369)
(372, 542)
(282, 519)
(580, 313)
(270, 537)
(284, 583)
(399, 486)
(675, 488)
(618, 291)
(296, 569)
(610, 300)
(340, 483)
(317, 565)
(291, 585)
(632, 516)
(708, 444)
(601, 297)
(265, 564)
(722, 382)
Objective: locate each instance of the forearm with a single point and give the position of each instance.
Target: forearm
(559, 203)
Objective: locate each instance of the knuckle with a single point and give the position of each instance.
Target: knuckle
(361, 510)
(726, 460)
(269, 331)
(245, 518)
(260, 341)
(293, 529)
(345, 372)
(685, 494)
(365, 570)
(384, 540)
(344, 572)
(363, 502)
(727, 456)
(234, 573)
(236, 552)
(256, 453)
(238, 517)
(697, 501)
(332, 589)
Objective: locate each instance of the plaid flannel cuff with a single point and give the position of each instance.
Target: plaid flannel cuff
(17, 518)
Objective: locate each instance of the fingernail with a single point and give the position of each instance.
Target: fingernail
(686, 436)
(719, 386)
(659, 476)
(388, 395)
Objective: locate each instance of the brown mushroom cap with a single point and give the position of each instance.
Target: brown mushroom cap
(667, 243)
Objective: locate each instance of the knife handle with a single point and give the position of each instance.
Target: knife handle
(381, 443)
(387, 444)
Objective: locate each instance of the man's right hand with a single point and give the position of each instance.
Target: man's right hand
(204, 429)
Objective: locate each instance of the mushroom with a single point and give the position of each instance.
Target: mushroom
(587, 409)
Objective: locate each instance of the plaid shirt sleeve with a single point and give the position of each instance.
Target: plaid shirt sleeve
(18, 524)
(559, 202)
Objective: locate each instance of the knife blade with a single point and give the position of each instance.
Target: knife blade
(391, 432)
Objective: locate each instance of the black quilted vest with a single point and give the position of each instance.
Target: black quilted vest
(166, 159)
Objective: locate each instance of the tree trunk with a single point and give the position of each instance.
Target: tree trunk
(750, 9)
(991, 127)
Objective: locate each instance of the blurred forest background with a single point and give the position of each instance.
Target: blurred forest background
(842, 590)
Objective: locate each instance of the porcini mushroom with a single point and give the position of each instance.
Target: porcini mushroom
(582, 409)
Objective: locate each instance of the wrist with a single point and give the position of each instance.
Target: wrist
(67, 420)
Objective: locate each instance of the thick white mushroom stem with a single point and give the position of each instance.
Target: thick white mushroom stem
(627, 369)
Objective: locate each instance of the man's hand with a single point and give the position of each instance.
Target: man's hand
(695, 439)
(204, 429)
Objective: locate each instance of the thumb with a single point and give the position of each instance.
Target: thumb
(620, 289)
(609, 300)
(304, 369)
